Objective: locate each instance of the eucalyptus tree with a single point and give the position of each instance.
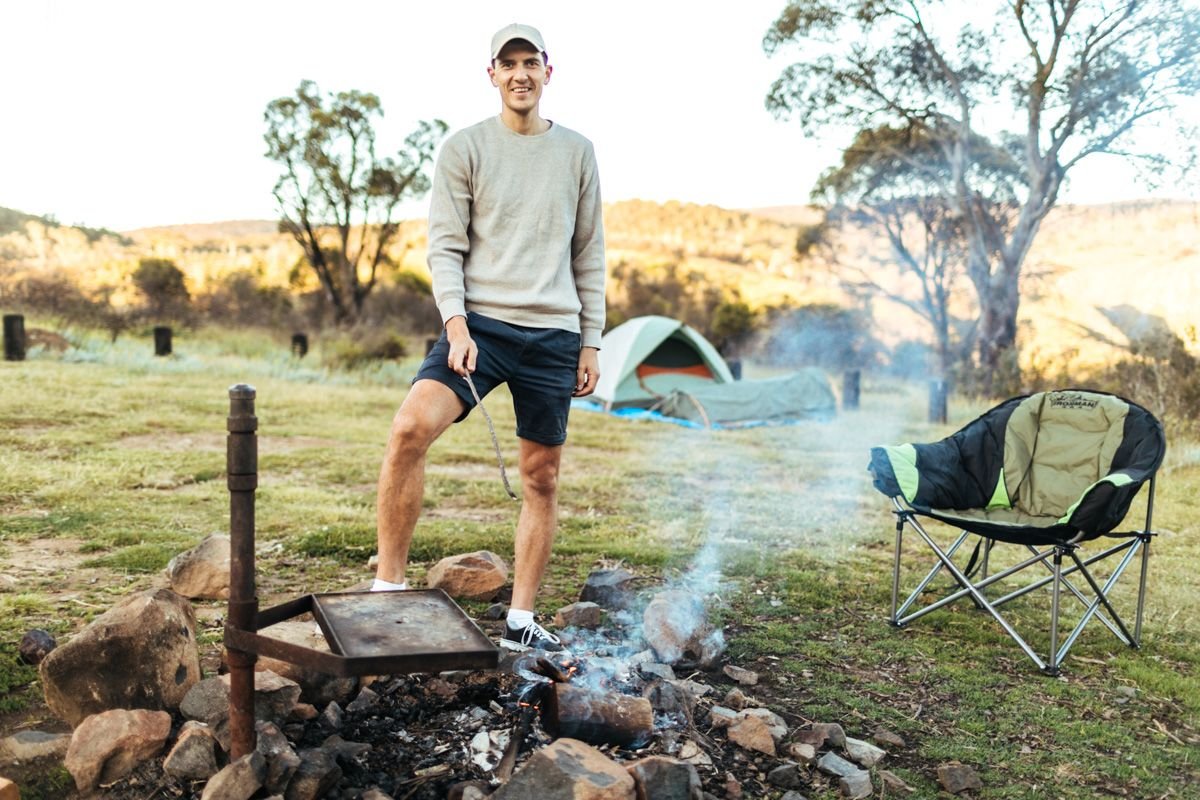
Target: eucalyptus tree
(337, 196)
(1053, 82)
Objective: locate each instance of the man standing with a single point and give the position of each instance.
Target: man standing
(516, 248)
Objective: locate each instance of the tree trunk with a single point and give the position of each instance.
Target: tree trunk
(997, 338)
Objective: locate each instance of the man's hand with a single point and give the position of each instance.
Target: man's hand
(463, 350)
(588, 372)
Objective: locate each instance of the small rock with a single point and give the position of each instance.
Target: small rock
(662, 778)
(304, 712)
(568, 763)
(609, 588)
(692, 753)
(736, 699)
(203, 571)
(471, 576)
(894, 782)
(333, 716)
(317, 774)
(833, 764)
(28, 745)
(785, 777)
(888, 738)
(793, 796)
(721, 717)
(733, 788)
(35, 645)
(467, 790)
(743, 676)
(956, 778)
(282, 761)
(239, 780)
(496, 611)
(653, 670)
(865, 753)
(583, 614)
(803, 752)
(822, 734)
(345, 752)
(752, 733)
(194, 756)
(366, 699)
(774, 722)
(856, 786)
(112, 744)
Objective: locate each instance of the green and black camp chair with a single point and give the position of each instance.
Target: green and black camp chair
(1048, 472)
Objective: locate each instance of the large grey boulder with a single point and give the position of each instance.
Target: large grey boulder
(141, 653)
(110, 745)
(203, 571)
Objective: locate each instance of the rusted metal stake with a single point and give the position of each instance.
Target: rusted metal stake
(242, 475)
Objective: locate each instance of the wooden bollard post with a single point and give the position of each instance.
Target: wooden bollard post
(851, 384)
(162, 340)
(938, 391)
(299, 345)
(14, 337)
(241, 468)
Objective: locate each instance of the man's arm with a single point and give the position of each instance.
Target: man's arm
(449, 219)
(587, 254)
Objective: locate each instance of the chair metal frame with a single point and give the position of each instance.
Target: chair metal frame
(1052, 558)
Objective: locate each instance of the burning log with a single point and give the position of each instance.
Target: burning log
(597, 717)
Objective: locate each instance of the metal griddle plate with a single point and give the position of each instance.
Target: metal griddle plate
(420, 630)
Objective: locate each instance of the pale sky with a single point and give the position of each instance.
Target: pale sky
(130, 114)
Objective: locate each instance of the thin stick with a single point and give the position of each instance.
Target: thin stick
(495, 441)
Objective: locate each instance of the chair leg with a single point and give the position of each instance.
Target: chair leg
(896, 569)
(1141, 601)
(1101, 599)
(1052, 667)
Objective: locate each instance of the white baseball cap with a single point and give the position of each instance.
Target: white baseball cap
(516, 31)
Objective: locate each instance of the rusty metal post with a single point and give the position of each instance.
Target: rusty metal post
(242, 474)
(299, 345)
(162, 341)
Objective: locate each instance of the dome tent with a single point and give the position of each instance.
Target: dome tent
(671, 371)
(646, 358)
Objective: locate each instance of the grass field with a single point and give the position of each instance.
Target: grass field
(113, 461)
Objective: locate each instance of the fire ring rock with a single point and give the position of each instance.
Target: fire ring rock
(141, 653)
(203, 571)
(110, 745)
(566, 770)
(471, 576)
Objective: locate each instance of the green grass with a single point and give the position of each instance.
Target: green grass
(114, 462)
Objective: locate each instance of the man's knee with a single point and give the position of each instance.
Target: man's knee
(539, 470)
(411, 435)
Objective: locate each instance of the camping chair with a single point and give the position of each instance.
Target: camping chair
(1048, 472)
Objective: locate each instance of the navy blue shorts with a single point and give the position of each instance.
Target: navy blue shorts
(538, 364)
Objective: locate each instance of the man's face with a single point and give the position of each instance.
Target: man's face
(519, 72)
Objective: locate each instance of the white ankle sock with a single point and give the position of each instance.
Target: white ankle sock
(380, 585)
(519, 618)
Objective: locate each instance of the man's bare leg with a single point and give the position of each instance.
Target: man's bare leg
(538, 520)
(428, 410)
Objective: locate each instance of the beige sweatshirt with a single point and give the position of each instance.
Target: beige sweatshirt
(515, 229)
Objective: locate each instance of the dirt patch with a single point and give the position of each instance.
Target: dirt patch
(40, 557)
(214, 442)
